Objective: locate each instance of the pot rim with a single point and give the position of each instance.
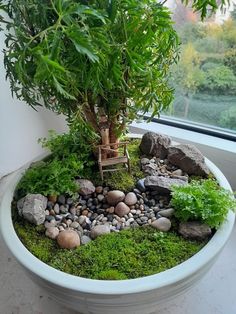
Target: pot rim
(119, 287)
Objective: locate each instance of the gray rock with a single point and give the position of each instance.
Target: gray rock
(61, 200)
(63, 209)
(114, 197)
(162, 224)
(52, 232)
(122, 209)
(100, 197)
(167, 212)
(32, 208)
(154, 144)
(140, 185)
(99, 230)
(85, 186)
(85, 240)
(68, 239)
(162, 184)
(50, 224)
(74, 225)
(194, 230)
(177, 172)
(99, 189)
(188, 158)
(82, 219)
(130, 199)
(144, 161)
(56, 209)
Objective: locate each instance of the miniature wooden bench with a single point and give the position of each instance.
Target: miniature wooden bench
(104, 161)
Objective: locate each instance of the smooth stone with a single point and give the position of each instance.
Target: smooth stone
(61, 200)
(74, 225)
(69, 201)
(81, 219)
(56, 209)
(100, 197)
(114, 197)
(73, 210)
(63, 209)
(140, 185)
(122, 209)
(50, 205)
(99, 230)
(50, 224)
(166, 212)
(177, 172)
(49, 218)
(130, 199)
(85, 240)
(162, 224)
(99, 189)
(68, 239)
(110, 210)
(52, 232)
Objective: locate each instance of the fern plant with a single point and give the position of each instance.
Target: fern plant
(202, 200)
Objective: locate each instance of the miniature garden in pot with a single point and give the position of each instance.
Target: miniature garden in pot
(128, 243)
(105, 224)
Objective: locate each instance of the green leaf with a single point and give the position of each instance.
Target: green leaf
(61, 90)
(53, 63)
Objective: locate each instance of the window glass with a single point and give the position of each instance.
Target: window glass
(204, 78)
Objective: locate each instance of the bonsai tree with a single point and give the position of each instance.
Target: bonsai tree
(100, 61)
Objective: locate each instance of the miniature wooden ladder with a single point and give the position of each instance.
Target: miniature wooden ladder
(104, 150)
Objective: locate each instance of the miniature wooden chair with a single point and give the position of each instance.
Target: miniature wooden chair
(104, 161)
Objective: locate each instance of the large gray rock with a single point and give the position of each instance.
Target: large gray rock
(114, 197)
(85, 186)
(162, 184)
(188, 158)
(194, 230)
(154, 144)
(32, 208)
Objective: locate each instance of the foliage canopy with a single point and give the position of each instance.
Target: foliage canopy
(94, 57)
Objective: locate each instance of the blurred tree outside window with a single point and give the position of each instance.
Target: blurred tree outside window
(204, 78)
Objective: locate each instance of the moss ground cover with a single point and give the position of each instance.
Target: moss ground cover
(128, 254)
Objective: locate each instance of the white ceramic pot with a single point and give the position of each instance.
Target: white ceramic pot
(136, 296)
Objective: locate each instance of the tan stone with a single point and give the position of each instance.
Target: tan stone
(122, 209)
(68, 239)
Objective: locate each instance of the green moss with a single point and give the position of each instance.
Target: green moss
(35, 241)
(128, 254)
(111, 274)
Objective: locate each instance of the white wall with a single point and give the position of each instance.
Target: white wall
(21, 126)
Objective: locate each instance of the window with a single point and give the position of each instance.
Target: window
(205, 76)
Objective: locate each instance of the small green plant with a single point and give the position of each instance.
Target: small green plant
(53, 177)
(202, 200)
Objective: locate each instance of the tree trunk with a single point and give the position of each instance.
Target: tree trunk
(114, 138)
(186, 109)
(105, 141)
